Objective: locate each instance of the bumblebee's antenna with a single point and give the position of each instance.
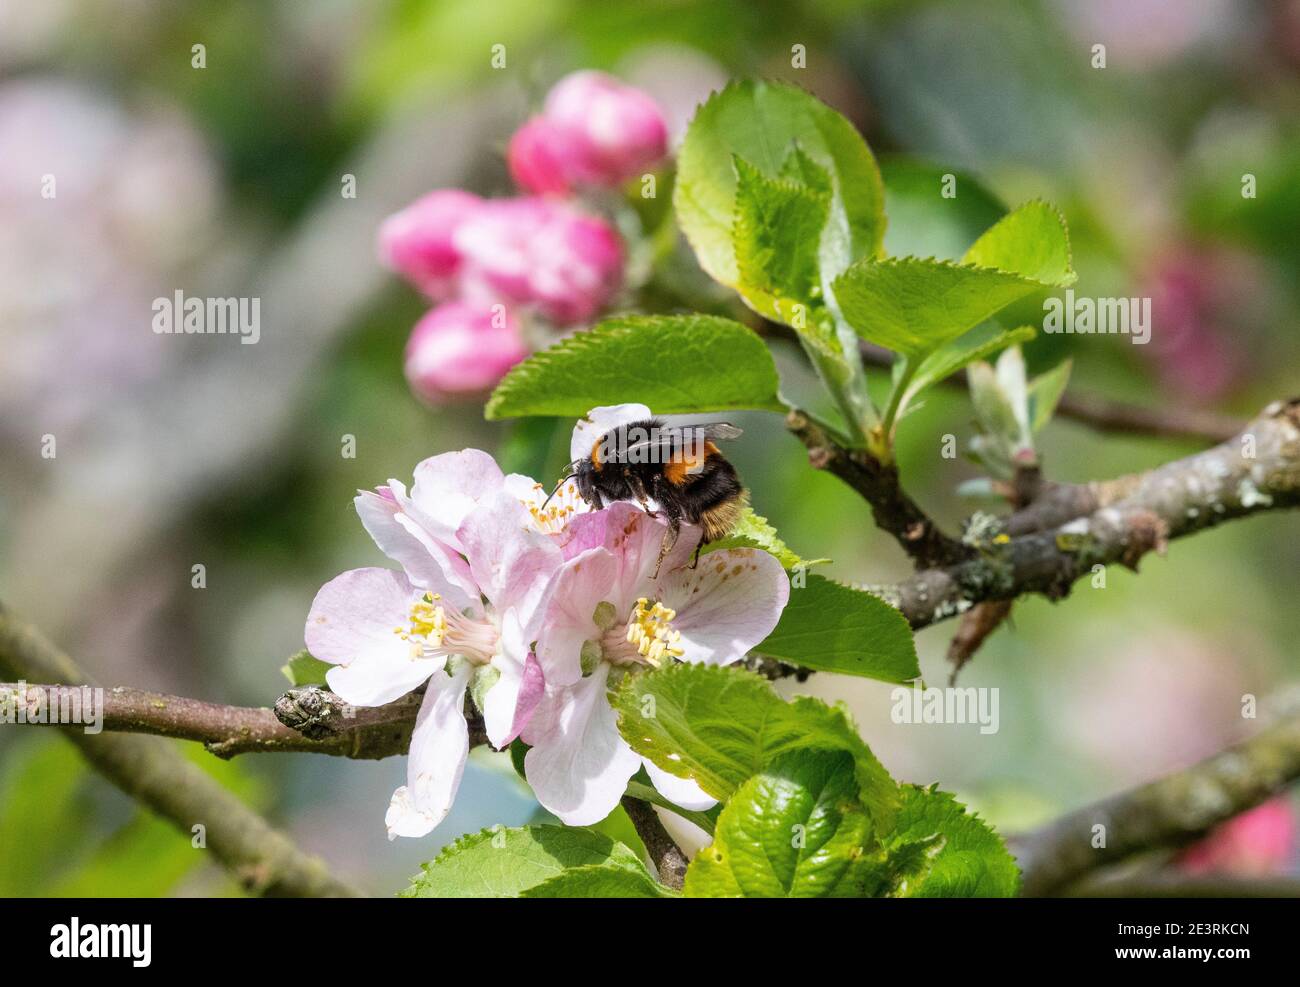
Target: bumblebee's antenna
(563, 480)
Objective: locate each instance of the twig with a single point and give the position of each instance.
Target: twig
(1256, 471)
(1167, 813)
(327, 724)
(158, 776)
(974, 628)
(1106, 415)
(668, 858)
(893, 510)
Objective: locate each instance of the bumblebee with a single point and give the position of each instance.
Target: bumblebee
(677, 467)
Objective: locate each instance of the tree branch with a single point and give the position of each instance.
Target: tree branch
(1168, 813)
(669, 860)
(1125, 519)
(307, 720)
(893, 510)
(158, 776)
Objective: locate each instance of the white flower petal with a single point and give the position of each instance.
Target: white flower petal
(448, 486)
(679, 791)
(600, 420)
(439, 747)
(457, 584)
(427, 564)
(579, 765)
(352, 625)
(727, 604)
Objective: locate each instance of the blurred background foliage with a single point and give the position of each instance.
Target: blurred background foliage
(226, 180)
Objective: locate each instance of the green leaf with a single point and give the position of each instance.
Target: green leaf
(753, 531)
(1045, 392)
(303, 669)
(599, 881)
(973, 862)
(676, 364)
(796, 830)
(777, 228)
(978, 344)
(913, 306)
(1031, 241)
(836, 628)
(778, 129)
(503, 863)
(720, 726)
(993, 408)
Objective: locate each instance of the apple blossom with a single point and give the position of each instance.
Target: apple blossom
(593, 130)
(417, 241)
(608, 615)
(493, 563)
(459, 617)
(461, 348)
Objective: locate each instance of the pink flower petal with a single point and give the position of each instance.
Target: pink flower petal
(580, 585)
(635, 538)
(511, 560)
(509, 703)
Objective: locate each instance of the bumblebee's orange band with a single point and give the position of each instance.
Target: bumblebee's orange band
(675, 470)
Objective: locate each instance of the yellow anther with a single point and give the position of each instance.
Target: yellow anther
(428, 625)
(650, 631)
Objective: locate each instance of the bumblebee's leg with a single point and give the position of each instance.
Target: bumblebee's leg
(695, 559)
(639, 492)
(670, 539)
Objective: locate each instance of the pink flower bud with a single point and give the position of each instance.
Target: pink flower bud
(461, 349)
(536, 159)
(539, 252)
(594, 130)
(417, 242)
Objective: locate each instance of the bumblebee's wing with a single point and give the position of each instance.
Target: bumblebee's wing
(720, 430)
(676, 437)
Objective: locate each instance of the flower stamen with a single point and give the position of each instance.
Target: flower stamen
(436, 629)
(651, 633)
(555, 516)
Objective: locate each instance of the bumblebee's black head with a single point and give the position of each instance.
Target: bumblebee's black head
(600, 483)
(585, 478)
